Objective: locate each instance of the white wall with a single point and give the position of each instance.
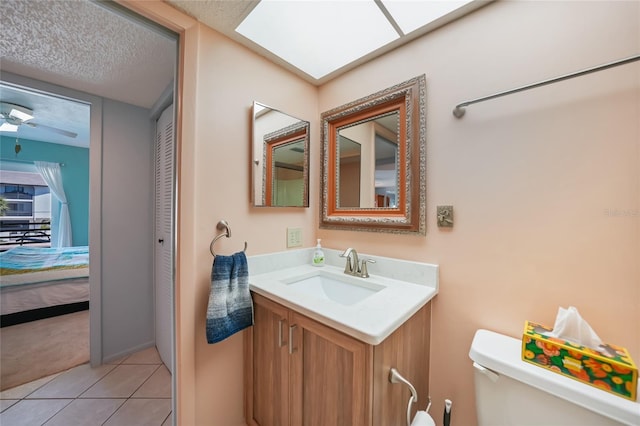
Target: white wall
(127, 230)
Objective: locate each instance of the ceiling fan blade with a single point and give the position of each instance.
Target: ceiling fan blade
(53, 129)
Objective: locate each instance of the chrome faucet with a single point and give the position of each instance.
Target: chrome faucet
(354, 266)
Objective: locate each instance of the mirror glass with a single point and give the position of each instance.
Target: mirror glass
(280, 159)
(368, 163)
(374, 171)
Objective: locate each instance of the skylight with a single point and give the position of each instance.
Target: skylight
(413, 14)
(302, 32)
(321, 36)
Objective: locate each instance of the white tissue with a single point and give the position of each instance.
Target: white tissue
(570, 326)
(423, 418)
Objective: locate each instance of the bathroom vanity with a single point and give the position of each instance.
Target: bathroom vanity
(320, 362)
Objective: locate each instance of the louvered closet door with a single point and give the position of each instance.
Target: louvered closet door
(164, 235)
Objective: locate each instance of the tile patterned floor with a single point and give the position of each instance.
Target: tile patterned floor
(132, 391)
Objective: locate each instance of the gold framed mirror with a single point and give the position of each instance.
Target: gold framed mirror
(374, 162)
(280, 159)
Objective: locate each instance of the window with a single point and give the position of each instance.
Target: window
(26, 193)
(27, 219)
(19, 199)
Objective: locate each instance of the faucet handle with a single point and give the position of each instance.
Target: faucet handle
(363, 268)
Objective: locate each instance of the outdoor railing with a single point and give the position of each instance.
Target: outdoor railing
(23, 233)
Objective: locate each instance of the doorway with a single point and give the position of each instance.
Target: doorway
(116, 326)
(46, 290)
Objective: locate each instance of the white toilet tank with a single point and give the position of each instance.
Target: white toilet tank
(511, 392)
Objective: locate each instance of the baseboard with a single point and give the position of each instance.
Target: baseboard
(113, 357)
(42, 313)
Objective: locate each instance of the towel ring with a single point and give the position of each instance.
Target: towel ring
(223, 225)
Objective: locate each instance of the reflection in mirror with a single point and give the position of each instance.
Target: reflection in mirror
(280, 159)
(368, 163)
(373, 164)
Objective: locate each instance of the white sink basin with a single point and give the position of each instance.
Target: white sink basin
(343, 289)
(368, 309)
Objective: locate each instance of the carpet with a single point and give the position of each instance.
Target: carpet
(40, 348)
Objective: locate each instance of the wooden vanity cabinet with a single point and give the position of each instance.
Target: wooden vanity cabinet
(329, 376)
(301, 372)
(269, 363)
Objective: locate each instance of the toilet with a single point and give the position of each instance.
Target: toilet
(511, 392)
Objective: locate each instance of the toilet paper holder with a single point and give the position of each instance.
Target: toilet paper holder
(396, 377)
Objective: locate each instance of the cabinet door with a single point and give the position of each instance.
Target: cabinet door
(330, 376)
(268, 386)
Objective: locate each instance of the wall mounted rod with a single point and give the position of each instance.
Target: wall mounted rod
(459, 110)
(16, 160)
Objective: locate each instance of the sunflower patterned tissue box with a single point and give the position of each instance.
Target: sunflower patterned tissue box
(608, 367)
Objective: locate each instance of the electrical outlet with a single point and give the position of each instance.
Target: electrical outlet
(294, 237)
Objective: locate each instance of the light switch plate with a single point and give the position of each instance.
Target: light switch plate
(294, 237)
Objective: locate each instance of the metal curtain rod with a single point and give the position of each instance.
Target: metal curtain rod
(32, 162)
(459, 110)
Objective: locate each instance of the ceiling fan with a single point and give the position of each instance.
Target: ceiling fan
(16, 115)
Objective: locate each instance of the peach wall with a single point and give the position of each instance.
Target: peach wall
(545, 183)
(220, 81)
(229, 79)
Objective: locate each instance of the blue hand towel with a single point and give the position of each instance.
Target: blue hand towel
(230, 306)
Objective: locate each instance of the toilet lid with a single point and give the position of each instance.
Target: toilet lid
(502, 354)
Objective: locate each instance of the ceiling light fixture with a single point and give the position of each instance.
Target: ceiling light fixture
(15, 114)
(6, 127)
(20, 112)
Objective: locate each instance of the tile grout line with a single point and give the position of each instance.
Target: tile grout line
(114, 411)
(56, 413)
(78, 397)
(145, 381)
(133, 393)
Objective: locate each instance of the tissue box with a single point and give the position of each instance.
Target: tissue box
(609, 367)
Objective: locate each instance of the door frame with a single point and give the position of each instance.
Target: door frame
(141, 15)
(185, 29)
(95, 200)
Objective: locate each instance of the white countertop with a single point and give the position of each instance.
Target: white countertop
(370, 320)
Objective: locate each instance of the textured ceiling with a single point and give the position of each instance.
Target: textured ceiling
(49, 111)
(223, 16)
(84, 46)
(91, 47)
